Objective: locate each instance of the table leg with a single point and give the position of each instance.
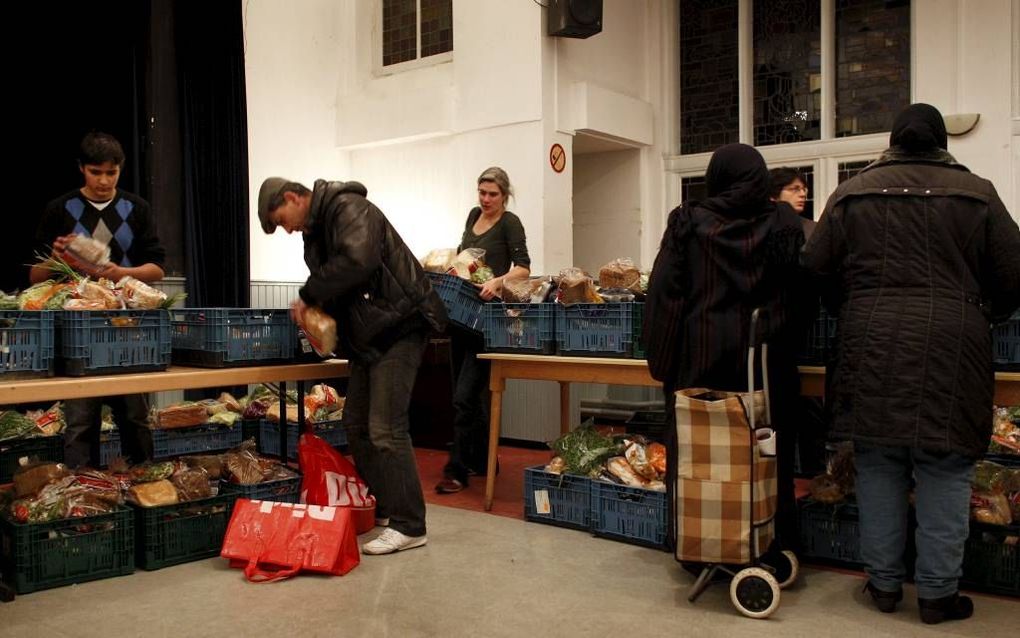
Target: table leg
(564, 407)
(496, 386)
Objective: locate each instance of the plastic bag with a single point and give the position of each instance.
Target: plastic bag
(320, 329)
(439, 260)
(100, 293)
(576, 287)
(330, 479)
(620, 273)
(138, 294)
(467, 262)
(192, 483)
(991, 508)
(88, 252)
(533, 290)
(616, 295)
(584, 450)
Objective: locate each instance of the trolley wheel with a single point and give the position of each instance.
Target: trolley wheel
(784, 567)
(755, 592)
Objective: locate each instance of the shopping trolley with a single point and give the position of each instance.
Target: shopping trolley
(726, 491)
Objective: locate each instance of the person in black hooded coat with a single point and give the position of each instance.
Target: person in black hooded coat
(918, 258)
(719, 259)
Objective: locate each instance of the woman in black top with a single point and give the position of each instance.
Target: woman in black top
(490, 226)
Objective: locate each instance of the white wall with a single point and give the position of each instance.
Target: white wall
(607, 208)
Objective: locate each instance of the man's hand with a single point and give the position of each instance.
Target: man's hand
(110, 271)
(297, 311)
(491, 289)
(60, 245)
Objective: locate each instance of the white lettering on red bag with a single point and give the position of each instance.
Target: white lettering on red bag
(299, 510)
(343, 492)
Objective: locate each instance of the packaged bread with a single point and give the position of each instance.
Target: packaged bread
(184, 415)
(32, 478)
(575, 286)
(99, 292)
(620, 273)
(87, 250)
(140, 295)
(232, 404)
(154, 494)
(192, 483)
(439, 260)
(320, 329)
(211, 463)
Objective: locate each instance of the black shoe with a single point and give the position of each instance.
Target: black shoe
(953, 607)
(885, 600)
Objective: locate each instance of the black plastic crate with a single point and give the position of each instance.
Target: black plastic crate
(595, 330)
(42, 448)
(181, 533)
(569, 498)
(231, 337)
(71, 550)
(91, 342)
(1006, 345)
(637, 321)
(989, 563)
(820, 341)
(286, 490)
(830, 533)
(521, 328)
(195, 440)
(463, 305)
(629, 514)
(26, 344)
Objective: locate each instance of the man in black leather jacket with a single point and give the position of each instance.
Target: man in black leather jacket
(364, 276)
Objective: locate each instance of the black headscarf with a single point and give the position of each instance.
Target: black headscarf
(919, 128)
(738, 182)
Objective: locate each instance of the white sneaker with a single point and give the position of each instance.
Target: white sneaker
(382, 522)
(392, 541)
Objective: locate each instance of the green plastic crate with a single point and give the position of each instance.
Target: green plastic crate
(40, 448)
(71, 550)
(181, 533)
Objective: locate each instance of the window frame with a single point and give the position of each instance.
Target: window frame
(379, 69)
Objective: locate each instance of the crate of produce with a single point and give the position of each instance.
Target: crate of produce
(181, 533)
(285, 490)
(229, 337)
(463, 305)
(595, 330)
(38, 556)
(91, 342)
(563, 500)
(637, 321)
(830, 533)
(523, 328)
(629, 514)
(109, 447)
(39, 448)
(991, 560)
(26, 344)
(251, 429)
(820, 341)
(196, 440)
(1006, 345)
(331, 432)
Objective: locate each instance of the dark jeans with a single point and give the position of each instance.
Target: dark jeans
(471, 409)
(375, 418)
(943, 510)
(84, 418)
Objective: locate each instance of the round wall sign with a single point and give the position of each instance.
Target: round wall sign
(557, 158)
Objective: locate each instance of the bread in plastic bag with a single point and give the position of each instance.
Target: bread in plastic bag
(439, 260)
(88, 251)
(467, 262)
(140, 295)
(620, 273)
(320, 329)
(533, 290)
(575, 286)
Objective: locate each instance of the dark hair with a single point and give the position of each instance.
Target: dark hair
(783, 177)
(289, 187)
(98, 148)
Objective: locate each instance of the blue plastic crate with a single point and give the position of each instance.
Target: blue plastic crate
(109, 447)
(463, 305)
(223, 337)
(93, 342)
(1006, 345)
(569, 498)
(595, 330)
(525, 328)
(38, 448)
(286, 490)
(196, 440)
(629, 514)
(26, 344)
(820, 340)
(331, 432)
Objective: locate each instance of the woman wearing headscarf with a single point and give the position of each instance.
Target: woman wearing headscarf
(719, 259)
(921, 257)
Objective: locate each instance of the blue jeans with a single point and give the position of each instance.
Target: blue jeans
(375, 418)
(942, 500)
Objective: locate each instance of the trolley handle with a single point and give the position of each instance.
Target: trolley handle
(752, 347)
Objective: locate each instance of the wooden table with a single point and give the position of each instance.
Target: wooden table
(567, 370)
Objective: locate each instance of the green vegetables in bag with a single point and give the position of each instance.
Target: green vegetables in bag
(584, 450)
(14, 425)
(482, 275)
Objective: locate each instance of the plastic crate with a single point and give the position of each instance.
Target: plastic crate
(71, 550)
(109, 447)
(463, 305)
(595, 330)
(226, 337)
(252, 429)
(569, 498)
(91, 342)
(197, 440)
(181, 533)
(830, 533)
(820, 341)
(523, 328)
(989, 564)
(331, 432)
(1006, 345)
(629, 514)
(41, 448)
(26, 344)
(637, 321)
(286, 490)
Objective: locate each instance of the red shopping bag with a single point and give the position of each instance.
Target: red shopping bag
(330, 479)
(273, 541)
